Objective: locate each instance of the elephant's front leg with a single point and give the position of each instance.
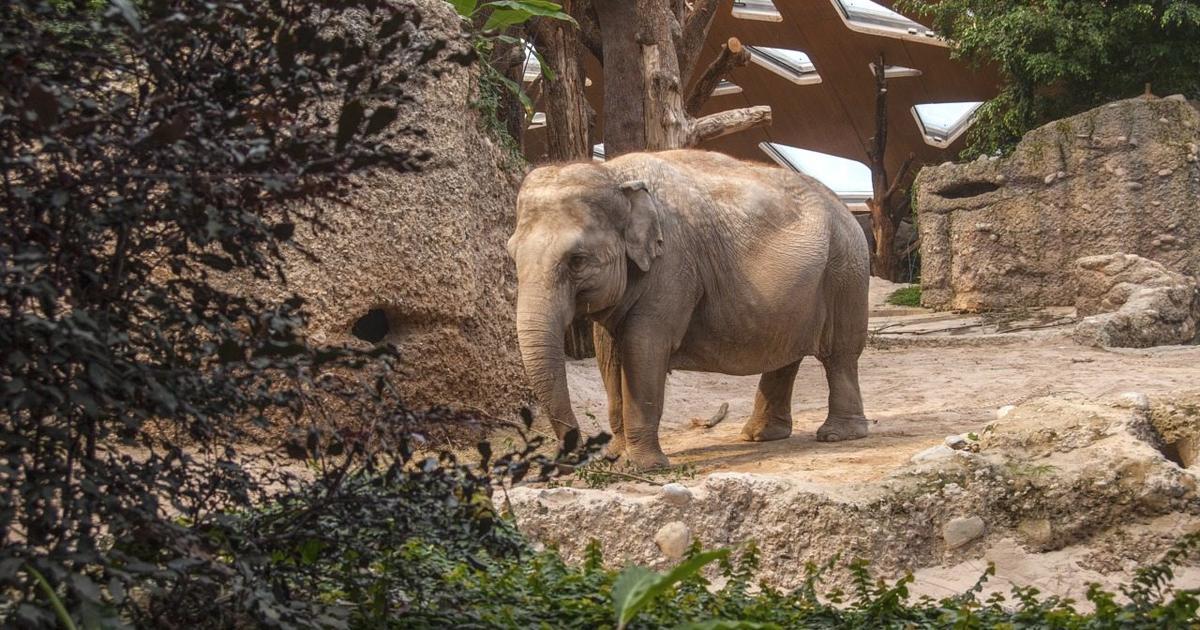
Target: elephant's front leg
(610, 373)
(644, 361)
(845, 420)
(772, 417)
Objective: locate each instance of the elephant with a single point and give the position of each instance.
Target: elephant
(689, 260)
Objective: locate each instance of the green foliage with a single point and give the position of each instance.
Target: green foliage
(540, 590)
(1061, 57)
(908, 296)
(497, 17)
(637, 587)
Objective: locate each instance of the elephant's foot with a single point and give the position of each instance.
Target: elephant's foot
(646, 459)
(615, 447)
(766, 429)
(842, 429)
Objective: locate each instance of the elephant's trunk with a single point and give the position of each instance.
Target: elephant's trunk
(541, 330)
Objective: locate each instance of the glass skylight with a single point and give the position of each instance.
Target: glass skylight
(872, 17)
(896, 72)
(726, 87)
(792, 65)
(851, 180)
(761, 10)
(943, 123)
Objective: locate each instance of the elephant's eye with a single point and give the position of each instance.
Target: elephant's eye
(577, 262)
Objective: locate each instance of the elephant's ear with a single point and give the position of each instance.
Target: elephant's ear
(643, 234)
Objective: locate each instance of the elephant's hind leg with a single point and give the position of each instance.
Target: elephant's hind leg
(610, 374)
(845, 420)
(772, 417)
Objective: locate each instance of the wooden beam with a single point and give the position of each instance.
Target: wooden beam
(733, 55)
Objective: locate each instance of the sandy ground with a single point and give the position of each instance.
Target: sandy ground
(918, 391)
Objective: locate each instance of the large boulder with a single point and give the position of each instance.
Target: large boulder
(1005, 232)
(418, 260)
(1130, 302)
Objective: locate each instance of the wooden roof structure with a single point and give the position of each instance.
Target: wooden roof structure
(835, 116)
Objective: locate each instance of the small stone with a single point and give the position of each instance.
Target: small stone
(676, 494)
(1191, 158)
(1119, 172)
(1134, 400)
(1004, 411)
(1192, 147)
(1049, 179)
(983, 227)
(1163, 120)
(957, 442)
(673, 539)
(1133, 142)
(1122, 139)
(1133, 185)
(1176, 97)
(1156, 203)
(1061, 175)
(1166, 172)
(1000, 180)
(994, 237)
(960, 531)
(1036, 530)
(933, 454)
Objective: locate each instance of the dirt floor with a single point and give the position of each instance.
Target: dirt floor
(917, 389)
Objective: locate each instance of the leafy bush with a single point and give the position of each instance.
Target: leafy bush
(908, 296)
(153, 156)
(541, 591)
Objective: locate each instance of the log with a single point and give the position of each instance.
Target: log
(733, 55)
(730, 121)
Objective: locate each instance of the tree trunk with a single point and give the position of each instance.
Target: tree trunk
(885, 213)
(565, 101)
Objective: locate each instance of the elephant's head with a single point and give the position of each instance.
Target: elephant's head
(576, 227)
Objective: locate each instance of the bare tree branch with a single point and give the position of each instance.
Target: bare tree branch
(900, 175)
(695, 31)
(727, 122)
(733, 55)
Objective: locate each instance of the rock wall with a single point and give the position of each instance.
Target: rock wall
(1124, 177)
(418, 259)
(1055, 473)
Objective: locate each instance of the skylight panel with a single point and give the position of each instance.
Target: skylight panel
(871, 17)
(851, 180)
(726, 87)
(943, 123)
(761, 10)
(792, 65)
(897, 72)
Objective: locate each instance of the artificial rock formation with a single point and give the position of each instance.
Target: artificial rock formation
(1005, 232)
(1128, 301)
(418, 260)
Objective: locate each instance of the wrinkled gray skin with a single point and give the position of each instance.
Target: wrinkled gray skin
(690, 260)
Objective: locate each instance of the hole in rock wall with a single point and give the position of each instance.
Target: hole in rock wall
(963, 190)
(1182, 452)
(373, 327)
